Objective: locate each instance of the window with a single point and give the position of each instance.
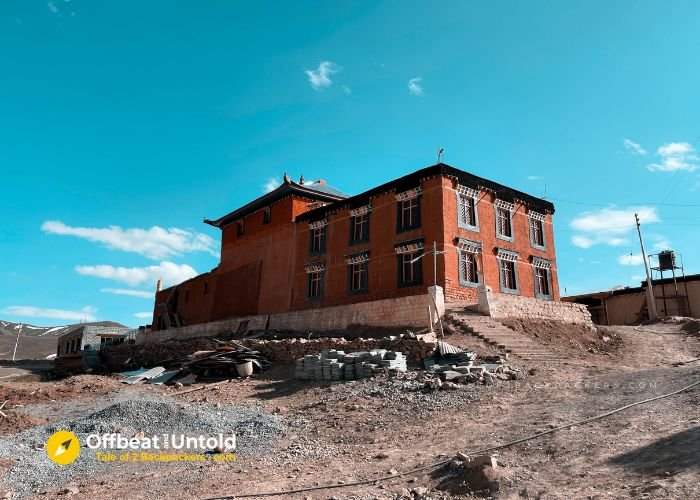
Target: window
(357, 277)
(267, 215)
(359, 229)
(315, 289)
(410, 268)
(508, 270)
(504, 227)
(466, 209)
(240, 228)
(543, 285)
(537, 231)
(408, 214)
(542, 288)
(468, 274)
(317, 244)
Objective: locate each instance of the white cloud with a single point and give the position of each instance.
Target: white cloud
(271, 184)
(534, 178)
(609, 226)
(320, 78)
(87, 313)
(169, 272)
(634, 148)
(154, 243)
(52, 7)
(415, 87)
(675, 156)
(132, 293)
(143, 315)
(630, 260)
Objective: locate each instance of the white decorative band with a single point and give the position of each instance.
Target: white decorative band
(318, 223)
(505, 205)
(315, 267)
(409, 246)
(536, 216)
(361, 210)
(357, 258)
(467, 191)
(507, 255)
(469, 246)
(407, 195)
(541, 263)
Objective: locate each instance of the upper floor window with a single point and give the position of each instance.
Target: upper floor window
(317, 237)
(504, 220)
(466, 208)
(541, 270)
(537, 230)
(468, 268)
(408, 210)
(410, 263)
(267, 215)
(357, 272)
(359, 225)
(508, 271)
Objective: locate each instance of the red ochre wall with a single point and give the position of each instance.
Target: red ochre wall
(263, 271)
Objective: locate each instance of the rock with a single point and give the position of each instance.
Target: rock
(5, 494)
(483, 478)
(380, 456)
(393, 472)
(70, 490)
(471, 462)
(419, 491)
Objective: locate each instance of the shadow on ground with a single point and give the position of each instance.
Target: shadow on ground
(670, 454)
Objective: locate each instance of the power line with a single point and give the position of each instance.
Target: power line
(611, 205)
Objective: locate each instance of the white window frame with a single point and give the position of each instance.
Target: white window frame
(469, 197)
(507, 208)
(537, 219)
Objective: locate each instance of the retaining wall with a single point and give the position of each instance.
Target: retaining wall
(503, 305)
(413, 311)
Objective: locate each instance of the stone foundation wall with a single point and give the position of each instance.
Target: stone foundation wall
(503, 305)
(284, 351)
(413, 311)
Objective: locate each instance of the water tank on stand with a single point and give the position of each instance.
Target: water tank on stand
(667, 260)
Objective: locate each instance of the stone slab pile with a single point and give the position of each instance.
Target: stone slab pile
(332, 364)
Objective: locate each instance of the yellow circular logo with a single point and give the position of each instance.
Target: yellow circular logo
(63, 447)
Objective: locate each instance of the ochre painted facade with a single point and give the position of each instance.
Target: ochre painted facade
(266, 252)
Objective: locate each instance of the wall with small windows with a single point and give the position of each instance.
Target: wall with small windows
(364, 248)
(498, 240)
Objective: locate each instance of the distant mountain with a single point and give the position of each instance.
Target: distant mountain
(25, 330)
(35, 342)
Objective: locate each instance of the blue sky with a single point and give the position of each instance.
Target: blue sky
(124, 124)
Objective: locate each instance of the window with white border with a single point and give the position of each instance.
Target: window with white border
(467, 216)
(537, 238)
(508, 271)
(504, 219)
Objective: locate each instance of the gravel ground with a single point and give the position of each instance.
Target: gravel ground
(254, 428)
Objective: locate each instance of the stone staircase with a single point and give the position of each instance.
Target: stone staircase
(494, 333)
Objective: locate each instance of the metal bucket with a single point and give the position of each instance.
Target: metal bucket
(245, 369)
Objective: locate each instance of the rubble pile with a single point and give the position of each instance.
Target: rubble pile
(332, 364)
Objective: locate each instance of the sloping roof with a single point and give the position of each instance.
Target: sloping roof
(315, 191)
(413, 180)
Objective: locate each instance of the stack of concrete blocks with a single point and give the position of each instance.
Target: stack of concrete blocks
(332, 364)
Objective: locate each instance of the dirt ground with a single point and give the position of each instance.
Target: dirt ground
(348, 431)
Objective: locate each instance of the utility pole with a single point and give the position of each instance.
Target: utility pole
(16, 342)
(651, 303)
(435, 253)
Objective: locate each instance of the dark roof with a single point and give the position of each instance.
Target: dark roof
(315, 191)
(413, 180)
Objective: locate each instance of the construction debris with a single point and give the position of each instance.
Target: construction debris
(220, 362)
(331, 364)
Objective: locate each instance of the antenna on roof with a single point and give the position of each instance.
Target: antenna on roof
(301, 179)
(439, 155)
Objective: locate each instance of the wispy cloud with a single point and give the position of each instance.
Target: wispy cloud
(415, 86)
(675, 156)
(320, 78)
(87, 313)
(155, 243)
(634, 147)
(129, 292)
(271, 184)
(347, 90)
(169, 272)
(609, 226)
(143, 315)
(535, 178)
(630, 260)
